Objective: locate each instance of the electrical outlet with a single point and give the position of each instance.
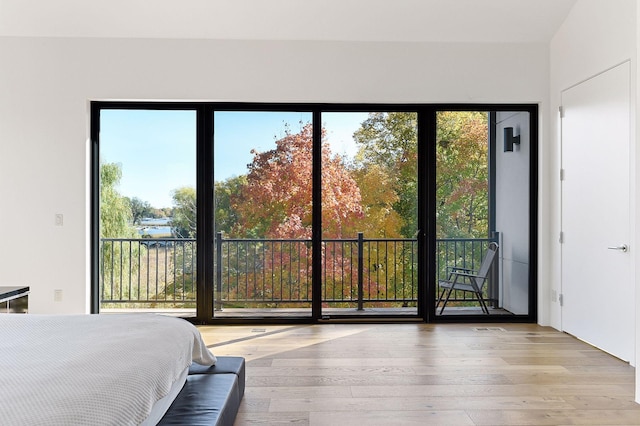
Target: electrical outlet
(57, 295)
(59, 219)
(554, 295)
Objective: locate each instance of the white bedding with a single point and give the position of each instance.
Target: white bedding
(161, 406)
(91, 369)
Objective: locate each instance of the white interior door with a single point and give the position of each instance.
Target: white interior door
(598, 294)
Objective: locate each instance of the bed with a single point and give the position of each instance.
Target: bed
(113, 369)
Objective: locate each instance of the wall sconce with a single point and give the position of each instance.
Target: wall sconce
(509, 139)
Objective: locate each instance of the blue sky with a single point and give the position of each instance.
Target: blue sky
(157, 149)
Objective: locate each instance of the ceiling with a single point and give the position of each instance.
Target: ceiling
(484, 21)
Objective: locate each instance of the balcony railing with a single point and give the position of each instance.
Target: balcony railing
(270, 273)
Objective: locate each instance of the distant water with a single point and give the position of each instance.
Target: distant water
(156, 230)
(154, 226)
(151, 221)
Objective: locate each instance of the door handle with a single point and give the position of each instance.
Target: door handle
(622, 248)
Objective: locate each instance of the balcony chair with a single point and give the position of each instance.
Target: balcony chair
(468, 280)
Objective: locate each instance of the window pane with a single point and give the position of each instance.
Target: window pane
(263, 213)
(369, 213)
(147, 210)
(482, 202)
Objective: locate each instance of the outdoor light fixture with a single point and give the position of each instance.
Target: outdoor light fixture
(509, 139)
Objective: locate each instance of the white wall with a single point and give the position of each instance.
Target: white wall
(512, 211)
(596, 36)
(46, 83)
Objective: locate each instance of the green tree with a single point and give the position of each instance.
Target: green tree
(388, 141)
(139, 209)
(161, 212)
(184, 222)
(115, 222)
(462, 174)
(226, 216)
(115, 211)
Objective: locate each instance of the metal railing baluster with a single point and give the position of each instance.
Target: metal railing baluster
(277, 272)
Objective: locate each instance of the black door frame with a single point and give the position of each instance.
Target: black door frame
(426, 201)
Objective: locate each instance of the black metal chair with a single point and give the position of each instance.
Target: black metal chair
(468, 280)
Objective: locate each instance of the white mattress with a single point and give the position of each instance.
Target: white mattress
(93, 369)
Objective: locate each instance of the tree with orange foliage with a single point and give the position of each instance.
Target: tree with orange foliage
(388, 152)
(276, 200)
(275, 203)
(388, 141)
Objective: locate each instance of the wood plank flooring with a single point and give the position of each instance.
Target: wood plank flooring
(444, 374)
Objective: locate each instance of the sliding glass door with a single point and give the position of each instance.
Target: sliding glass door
(147, 217)
(369, 214)
(483, 213)
(263, 212)
(310, 212)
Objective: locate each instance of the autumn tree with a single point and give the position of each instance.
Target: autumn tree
(462, 174)
(389, 142)
(378, 198)
(386, 171)
(388, 153)
(276, 200)
(276, 203)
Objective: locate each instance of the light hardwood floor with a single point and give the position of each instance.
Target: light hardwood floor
(449, 374)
